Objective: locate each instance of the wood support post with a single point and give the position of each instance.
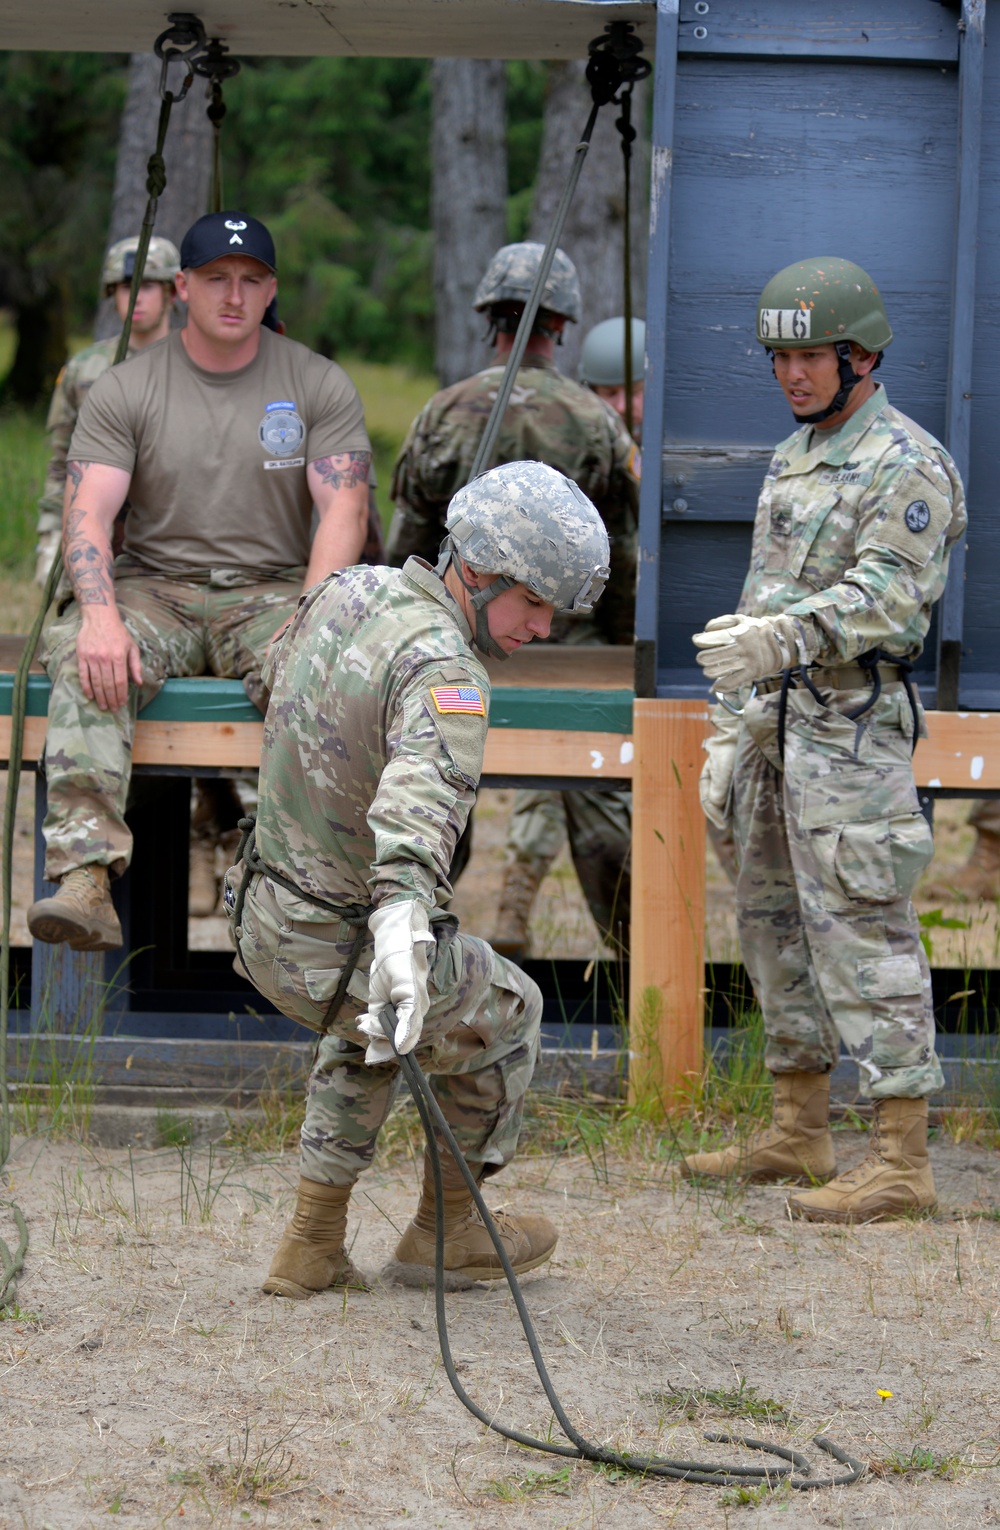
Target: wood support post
(667, 984)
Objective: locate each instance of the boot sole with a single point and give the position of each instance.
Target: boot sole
(422, 1275)
(876, 1214)
(58, 929)
(277, 1285)
(761, 1177)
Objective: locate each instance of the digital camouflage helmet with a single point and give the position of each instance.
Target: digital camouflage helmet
(162, 262)
(602, 359)
(824, 301)
(530, 525)
(511, 273)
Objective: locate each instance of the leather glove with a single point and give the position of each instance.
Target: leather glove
(716, 779)
(737, 650)
(398, 977)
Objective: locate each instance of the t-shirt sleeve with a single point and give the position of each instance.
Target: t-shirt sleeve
(336, 423)
(105, 431)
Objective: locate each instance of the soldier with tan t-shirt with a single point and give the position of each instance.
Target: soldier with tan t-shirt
(222, 438)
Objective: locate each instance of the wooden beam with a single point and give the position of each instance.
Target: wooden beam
(667, 982)
(509, 751)
(962, 750)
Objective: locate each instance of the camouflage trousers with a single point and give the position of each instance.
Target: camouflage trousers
(181, 628)
(478, 1046)
(599, 826)
(830, 848)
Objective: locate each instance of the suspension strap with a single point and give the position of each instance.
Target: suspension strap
(624, 125)
(613, 59)
(214, 65)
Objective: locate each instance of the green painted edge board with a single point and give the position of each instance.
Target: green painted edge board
(205, 699)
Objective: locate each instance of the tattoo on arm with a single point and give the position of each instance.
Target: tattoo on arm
(88, 565)
(344, 471)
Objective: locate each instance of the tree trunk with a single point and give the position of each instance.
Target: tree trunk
(593, 236)
(187, 155)
(41, 348)
(469, 202)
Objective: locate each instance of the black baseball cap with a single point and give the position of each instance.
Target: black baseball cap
(227, 233)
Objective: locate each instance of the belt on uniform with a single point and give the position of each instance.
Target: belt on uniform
(355, 914)
(848, 677)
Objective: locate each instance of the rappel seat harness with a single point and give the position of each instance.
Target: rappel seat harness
(869, 663)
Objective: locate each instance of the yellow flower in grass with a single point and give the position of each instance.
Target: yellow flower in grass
(883, 1394)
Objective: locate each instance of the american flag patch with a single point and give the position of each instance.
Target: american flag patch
(459, 698)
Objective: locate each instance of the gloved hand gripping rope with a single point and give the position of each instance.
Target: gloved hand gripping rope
(713, 1473)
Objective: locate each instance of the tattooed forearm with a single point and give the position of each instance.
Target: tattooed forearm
(344, 471)
(74, 474)
(88, 561)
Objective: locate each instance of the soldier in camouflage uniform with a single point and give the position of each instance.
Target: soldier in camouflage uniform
(554, 420)
(858, 514)
(150, 322)
(373, 749)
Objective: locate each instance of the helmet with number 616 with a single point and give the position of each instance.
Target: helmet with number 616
(822, 301)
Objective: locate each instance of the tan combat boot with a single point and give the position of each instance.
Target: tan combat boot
(469, 1254)
(80, 913)
(893, 1179)
(203, 884)
(521, 881)
(311, 1255)
(796, 1146)
(980, 876)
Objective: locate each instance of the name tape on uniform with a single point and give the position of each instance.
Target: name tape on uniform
(459, 698)
(286, 462)
(785, 324)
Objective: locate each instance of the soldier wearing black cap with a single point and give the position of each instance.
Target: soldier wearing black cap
(221, 439)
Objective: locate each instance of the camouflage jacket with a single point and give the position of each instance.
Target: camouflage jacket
(549, 419)
(72, 385)
(373, 741)
(853, 535)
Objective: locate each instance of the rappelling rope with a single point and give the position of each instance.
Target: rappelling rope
(720, 1474)
(613, 62)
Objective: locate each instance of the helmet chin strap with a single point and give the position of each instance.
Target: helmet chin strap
(479, 599)
(848, 380)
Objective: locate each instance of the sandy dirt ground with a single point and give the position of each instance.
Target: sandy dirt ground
(561, 922)
(144, 1376)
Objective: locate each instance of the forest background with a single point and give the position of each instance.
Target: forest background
(387, 184)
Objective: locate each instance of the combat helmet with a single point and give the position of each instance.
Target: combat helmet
(602, 359)
(530, 525)
(824, 301)
(510, 275)
(162, 262)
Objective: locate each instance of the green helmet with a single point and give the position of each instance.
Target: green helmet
(162, 262)
(510, 275)
(822, 302)
(602, 359)
(532, 526)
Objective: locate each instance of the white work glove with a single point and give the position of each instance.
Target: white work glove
(398, 977)
(716, 779)
(737, 650)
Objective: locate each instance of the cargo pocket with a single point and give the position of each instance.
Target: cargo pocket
(865, 849)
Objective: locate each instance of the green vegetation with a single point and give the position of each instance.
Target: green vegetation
(334, 153)
(23, 456)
